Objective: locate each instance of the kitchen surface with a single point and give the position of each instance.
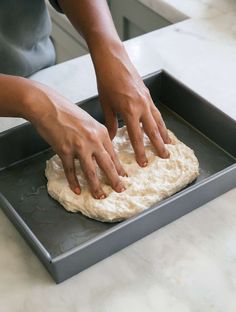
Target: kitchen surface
(188, 265)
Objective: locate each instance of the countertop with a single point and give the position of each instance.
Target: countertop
(190, 264)
(179, 10)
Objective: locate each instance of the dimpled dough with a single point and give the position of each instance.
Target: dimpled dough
(144, 186)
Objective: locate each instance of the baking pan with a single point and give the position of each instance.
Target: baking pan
(68, 243)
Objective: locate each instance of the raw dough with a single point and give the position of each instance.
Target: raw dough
(144, 186)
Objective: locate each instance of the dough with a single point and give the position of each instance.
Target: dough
(144, 186)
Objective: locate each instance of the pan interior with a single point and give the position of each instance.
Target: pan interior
(24, 185)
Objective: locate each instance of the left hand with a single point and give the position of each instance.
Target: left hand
(121, 90)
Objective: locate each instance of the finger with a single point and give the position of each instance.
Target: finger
(70, 173)
(88, 167)
(161, 125)
(105, 163)
(110, 120)
(136, 138)
(152, 131)
(109, 148)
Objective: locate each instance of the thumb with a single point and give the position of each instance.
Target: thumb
(110, 120)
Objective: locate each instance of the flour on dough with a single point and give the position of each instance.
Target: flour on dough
(144, 186)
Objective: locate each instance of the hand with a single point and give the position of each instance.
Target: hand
(75, 134)
(121, 90)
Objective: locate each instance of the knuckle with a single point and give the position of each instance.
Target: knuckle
(143, 99)
(155, 110)
(78, 146)
(138, 140)
(91, 174)
(113, 157)
(131, 109)
(104, 130)
(154, 133)
(65, 150)
(134, 106)
(91, 136)
(146, 92)
(160, 122)
(69, 170)
(146, 95)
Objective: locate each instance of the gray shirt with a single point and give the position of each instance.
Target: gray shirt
(25, 44)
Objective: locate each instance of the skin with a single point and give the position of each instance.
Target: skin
(68, 129)
(72, 132)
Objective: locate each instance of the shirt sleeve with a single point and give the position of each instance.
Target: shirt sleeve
(56, 5)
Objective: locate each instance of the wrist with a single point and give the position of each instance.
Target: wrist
(108, 51)
(113, 62)
(35, 104)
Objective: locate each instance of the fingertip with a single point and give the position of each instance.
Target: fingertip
(143, 163)
(168, 140)
(120, 189)
(77, 190)
(123, 173)
(100, 196)
(118, 186)
(98, 193)
(112, 133)
(166, 154)
(112, 128)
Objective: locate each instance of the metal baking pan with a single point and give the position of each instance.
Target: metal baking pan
(68, 243)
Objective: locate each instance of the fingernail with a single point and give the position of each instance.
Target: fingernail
(120, 188)
(101, 196)
(166, 154)
(124, 174)
(77, 191)
(144, 164)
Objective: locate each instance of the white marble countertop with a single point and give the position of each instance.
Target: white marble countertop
(189, 265)
(178, 10)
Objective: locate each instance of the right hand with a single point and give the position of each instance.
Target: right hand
(73, 133)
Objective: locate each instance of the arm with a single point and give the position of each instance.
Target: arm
(121, 89)
(68, 129)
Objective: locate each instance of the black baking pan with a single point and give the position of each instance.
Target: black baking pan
(68, 243)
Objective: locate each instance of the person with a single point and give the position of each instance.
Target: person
(26, 47)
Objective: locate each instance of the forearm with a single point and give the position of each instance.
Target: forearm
(12, 94)
(120, 87)
(20, 97)
(67, 128)
(93, 21)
